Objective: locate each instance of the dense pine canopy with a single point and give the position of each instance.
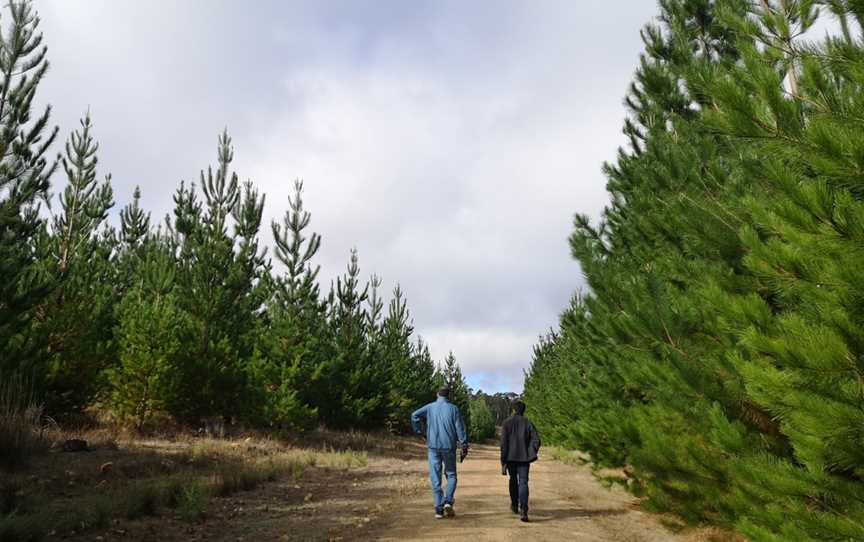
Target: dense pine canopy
(717, 355)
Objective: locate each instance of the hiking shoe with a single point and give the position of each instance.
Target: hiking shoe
(439, 514)
(514, 508)
(448, 510)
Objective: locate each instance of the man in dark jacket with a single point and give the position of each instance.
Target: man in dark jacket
(519, 446)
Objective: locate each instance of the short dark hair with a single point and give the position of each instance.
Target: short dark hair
(518, 407)
(444, 391)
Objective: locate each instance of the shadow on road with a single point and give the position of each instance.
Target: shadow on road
(542, 515)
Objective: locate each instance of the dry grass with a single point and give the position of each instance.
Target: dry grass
(20, 423)
(127, 478)
(568, 457)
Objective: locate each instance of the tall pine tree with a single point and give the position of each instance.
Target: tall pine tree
(24, 181)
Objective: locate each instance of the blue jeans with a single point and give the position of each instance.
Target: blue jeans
(447, 458)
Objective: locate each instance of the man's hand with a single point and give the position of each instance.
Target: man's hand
(463, 453)
(503, 469)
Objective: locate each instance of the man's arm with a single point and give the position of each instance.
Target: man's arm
(505, 441)
(417, 417)
(533, 437)
(461, 434)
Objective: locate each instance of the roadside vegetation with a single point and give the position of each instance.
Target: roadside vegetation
(716, 356)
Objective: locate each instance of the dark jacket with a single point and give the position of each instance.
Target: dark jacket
(519, 440)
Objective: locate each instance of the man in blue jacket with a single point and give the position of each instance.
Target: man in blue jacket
(444, 427)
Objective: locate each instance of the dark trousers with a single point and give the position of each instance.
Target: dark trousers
(518, 483)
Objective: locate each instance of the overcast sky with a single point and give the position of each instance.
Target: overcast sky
(451, 143)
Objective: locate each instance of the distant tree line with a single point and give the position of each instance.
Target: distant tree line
(718, 352)
(190, 317)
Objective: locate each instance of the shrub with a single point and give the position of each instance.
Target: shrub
(192, 503)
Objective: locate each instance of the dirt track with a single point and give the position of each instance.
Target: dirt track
(566, 502)
(390, 500)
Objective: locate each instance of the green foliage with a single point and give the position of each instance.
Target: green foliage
(79, 313)
(500, 404)
(24, 182)
(218, 287)
(285, 373)
(482, 421)
(152, 336)
(192, 502)
(715, 355)
(360, 400)
(411, 367)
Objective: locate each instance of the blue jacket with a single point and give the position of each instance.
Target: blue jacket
(444, 424)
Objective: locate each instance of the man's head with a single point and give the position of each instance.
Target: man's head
(444, 391)
(518, 407)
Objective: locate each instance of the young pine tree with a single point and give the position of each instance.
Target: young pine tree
(152, 335)
(408, 387)
(220, 288)
(79, 315)
(450, 373)
(288, 377)
(351, 373)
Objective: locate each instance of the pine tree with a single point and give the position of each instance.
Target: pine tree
(350, 400)
(24, 182)
(220, 287)
(482, 420)
(713, 356)
(450, 373)
(134, 222)
(85, 203)
(152, 333)
(798, 328)
(79, 314)
(410, 365)
(624, 362)
(289, 373)
(377, 374)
